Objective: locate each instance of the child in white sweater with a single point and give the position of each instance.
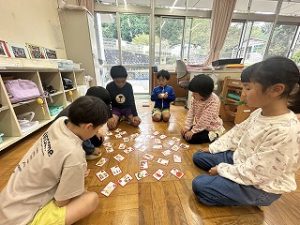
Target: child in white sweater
(255, 162)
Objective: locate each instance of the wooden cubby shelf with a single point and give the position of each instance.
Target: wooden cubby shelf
(43, 78)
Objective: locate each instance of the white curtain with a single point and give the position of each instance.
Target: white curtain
(221, 17)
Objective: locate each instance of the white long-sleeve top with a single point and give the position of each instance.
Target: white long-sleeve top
(266, 152)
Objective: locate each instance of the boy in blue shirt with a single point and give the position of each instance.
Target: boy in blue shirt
(162, 95)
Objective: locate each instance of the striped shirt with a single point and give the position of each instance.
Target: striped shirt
(204, 115)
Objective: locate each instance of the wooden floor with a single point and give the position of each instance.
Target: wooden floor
(169, 201)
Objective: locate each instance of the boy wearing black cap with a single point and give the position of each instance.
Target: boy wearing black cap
(91, 146)
(123, 103)
(203, 124)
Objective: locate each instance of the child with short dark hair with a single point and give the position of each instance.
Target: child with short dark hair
(47, 186)
(162, 95)
(123, 103)
(91, 146)
(203, 124)
(256, 161)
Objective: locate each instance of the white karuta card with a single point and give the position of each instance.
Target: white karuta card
(107, 144)
(175, 148)
(116, 170)
(143, 164)
(177, 173)
(158, 174)
(123, 132)
(171, 142)
(109, 149)
(166, 152)
(122, 146)
(102, 161)
(109, 133)
(164, 162)
(157, 146)
(157, 141)
(184, 146)
(109, 189)
(102, 175)
(129, 149)
(148, 156)
(118, 136)
(124, 180)
(141, 174)
(175, 139)
(119, 157)
(126, 139)
(176, 158)
(162, 136)
(142, 149)
(118, 130)
(155, 133)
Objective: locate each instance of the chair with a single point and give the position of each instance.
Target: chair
(183, 78)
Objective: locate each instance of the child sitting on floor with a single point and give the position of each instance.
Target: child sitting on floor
(163, 94)
(91, 146)
(203, 124)
(47, 186)
(256, 161)
(123, 103)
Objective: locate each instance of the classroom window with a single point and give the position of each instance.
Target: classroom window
(197, 40)
(168, 39)
(296, 52)
(257, 43)
(135, 42)
(232, 40)
(281, 40)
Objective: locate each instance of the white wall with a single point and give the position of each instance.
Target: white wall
(32, 21)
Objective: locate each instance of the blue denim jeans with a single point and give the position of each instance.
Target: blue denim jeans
(217, 190)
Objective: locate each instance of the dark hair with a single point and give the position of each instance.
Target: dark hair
(202, 84)
(99, 92)
(276, 70)
(272, 71)
(164, 74)
(88, 109)
(118, 72)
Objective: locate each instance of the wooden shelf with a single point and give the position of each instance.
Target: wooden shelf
(42, 77)
(3, 108)
(231, 110)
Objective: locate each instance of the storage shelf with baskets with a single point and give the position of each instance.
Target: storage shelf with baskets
(233, 108)
(13, 127)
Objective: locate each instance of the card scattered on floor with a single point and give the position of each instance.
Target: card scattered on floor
(166, 152)
(143, 164)
(164, 162)
(129, 149)
(116, 170)
(177, 173)
(124, 180)
(177, 158)
(102, 175)
(109, 189)
(101, 162)
(158, 174)
(141, 174)
(148, 156)
(119, 157)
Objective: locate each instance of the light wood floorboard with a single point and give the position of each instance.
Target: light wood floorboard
(169, 201)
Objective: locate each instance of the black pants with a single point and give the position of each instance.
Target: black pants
(199, 138)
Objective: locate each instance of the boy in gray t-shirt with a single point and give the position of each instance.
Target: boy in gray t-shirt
(47, 186)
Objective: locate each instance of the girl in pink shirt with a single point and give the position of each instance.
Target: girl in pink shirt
(203, 124)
